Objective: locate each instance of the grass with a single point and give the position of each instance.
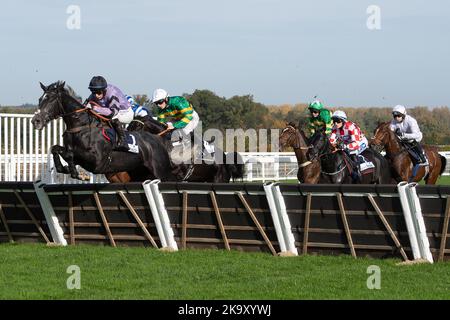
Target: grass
(34, 271)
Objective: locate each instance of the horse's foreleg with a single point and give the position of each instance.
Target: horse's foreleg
(58, 151)
(67, 155)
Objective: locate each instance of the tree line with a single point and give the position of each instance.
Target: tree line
(243, 112)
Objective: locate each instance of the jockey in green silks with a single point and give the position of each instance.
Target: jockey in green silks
(320, 118)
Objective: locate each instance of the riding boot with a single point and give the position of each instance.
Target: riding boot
(419, 150)
(356, 175)
(121, 143)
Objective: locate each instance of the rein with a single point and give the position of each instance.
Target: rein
(334, 173)
(164, 132)
(95, 114)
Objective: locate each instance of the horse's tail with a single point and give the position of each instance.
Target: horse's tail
(443, 164)
(235, 165)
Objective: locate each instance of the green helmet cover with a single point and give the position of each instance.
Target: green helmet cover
(316, 105)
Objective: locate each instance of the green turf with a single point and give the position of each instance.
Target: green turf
(30, 271)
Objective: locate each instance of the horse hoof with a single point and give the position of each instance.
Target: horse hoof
(83, 177)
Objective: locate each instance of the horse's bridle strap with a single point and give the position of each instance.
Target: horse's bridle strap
(304, 164)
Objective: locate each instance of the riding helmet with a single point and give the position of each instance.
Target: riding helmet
(339, 114)
(98, 83)
(316, 105)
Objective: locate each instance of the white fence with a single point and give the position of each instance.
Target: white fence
(24, 155)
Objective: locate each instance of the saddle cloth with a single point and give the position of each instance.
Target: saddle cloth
(131, 139)
(365, 166)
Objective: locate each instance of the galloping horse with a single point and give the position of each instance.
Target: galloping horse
(308, 171)
(85, 144)
(232, 166)
(336, 164)
(400, 160)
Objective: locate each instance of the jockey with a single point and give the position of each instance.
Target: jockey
(354, 141)
(176, 112)
(139, 111)
(407, 129)
(112, 104)
(320, 118)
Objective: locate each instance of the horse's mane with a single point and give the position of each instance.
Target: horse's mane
(384, 126)
(72, 93)
(68, 89)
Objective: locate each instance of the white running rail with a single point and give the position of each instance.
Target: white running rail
(24, 155)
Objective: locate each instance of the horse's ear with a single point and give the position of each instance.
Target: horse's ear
(43, 87)
(61, 85)
(292, 124)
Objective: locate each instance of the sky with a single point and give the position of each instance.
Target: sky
(278, 51)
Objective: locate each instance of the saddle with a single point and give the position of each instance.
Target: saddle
(361, 164)
(418, 157)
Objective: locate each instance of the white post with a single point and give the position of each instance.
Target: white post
(275, 216)
(155, 213)
(7, 160)
(250, 171)
(36, 153)
(263, 171)
(284, 220)
(25, 149)
(50, 216)
(13, 156)
(408, 219)
(419, 223)
(276, 167)
(164, 217)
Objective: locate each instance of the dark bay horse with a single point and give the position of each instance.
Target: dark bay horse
(337, 165)
(400, 160)
(85, 144)
(308, 171)
(231, 166)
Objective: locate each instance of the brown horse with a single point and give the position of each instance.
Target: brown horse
(308, 171)
(399, 158)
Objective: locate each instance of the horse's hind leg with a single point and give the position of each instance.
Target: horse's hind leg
(432, 177)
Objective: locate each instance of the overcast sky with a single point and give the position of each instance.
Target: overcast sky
(278, 51)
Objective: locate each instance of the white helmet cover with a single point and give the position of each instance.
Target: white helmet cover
(400, 109)
(340, 115)
(159, 94)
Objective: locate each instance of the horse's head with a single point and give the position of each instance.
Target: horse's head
(382, 136)
(147, 123)
(289, 137)
(319, 144)
(50, 105)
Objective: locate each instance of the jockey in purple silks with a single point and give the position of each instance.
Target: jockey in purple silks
(112, 103)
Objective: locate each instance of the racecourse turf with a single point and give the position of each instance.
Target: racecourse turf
(35, 271)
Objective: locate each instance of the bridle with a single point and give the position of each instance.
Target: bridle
(61, 110)
(296, 144)
(322, 153)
